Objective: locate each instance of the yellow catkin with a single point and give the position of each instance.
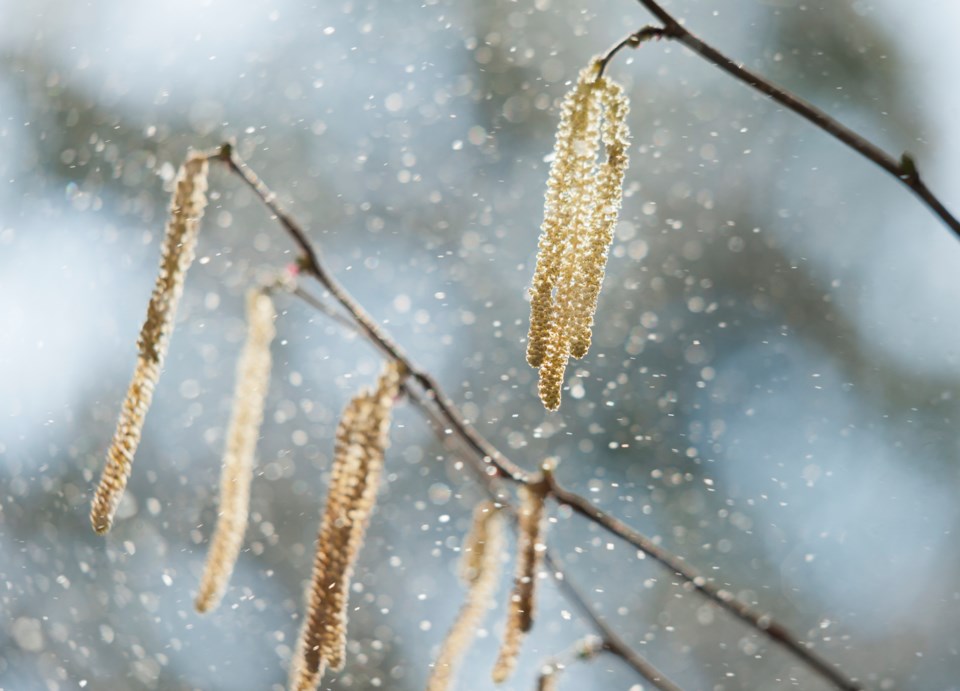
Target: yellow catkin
(581, 206)
(605, 210)
(179, 245)
(480, 570)
(361, 439)
(253, 378)
(530, 548)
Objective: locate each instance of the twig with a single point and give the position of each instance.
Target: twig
(611, 641)
(312, 265)
(496, 464)
(903, 168)
(631, 40)
(754, 618)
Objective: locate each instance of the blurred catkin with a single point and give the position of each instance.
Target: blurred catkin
(253, 378)
(480, 570)
(585, 649)
(547, 681)
(530, 548)
(361, 439)
(581, 206)
(177, 252)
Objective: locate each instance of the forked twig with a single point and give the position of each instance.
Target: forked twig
(903, 169)
(494, 464)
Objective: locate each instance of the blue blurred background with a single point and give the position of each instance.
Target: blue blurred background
(772, 390)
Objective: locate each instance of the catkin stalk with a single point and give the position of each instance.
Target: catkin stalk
(253, 378)
(480, 570)
(361, 439)
(581, 206)
(177, 252)
(530, 548)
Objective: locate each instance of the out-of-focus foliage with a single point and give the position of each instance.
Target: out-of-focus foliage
(772, 387)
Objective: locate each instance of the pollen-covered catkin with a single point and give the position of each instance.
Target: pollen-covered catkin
(253, 378)
(530, 549)
(179, 246)
(605, 210)
(361, 439)
(571, 151)
(581, 206)
(585, 649)
(480, 570)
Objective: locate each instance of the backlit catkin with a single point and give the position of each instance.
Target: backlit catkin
(480, 570)
(547, 681)
(361, 439)
(530, 549)
(179, 245)
(253, 378)
(581, 206)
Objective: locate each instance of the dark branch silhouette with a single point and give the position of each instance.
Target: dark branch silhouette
(492, 464)
(903, 168)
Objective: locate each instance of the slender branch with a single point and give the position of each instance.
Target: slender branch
(631, 40)
(903, 169)
(312, 265)
(754, 618)
(494, 464)
(611, 641)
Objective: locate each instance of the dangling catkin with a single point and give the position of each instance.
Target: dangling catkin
(585, 649)
(547, 681)
(179, 244)
(253, 378)
(581, 206)
(571, 154)
(606, 208)
(361, 439)
(480, 570)
(530, 548)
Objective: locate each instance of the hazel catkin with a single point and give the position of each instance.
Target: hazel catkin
(480, 570)
(361, 440)
(176, 255)
(253, 377)
(581, 206)
(530, 549)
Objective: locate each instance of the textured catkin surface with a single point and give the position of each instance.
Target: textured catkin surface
(253, 378)
(530, 548)
(480, 570)
(176, 255)
(362, 438)
(581, 206)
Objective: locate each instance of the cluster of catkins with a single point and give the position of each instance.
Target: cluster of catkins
(481, 569)
(362, 438)
(582, 201)
(580, 214)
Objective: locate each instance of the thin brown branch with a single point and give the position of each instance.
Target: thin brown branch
(632, 41)
(756, 619)
(903, 168)
(611, 641)
(313, 266)
(495, 464)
